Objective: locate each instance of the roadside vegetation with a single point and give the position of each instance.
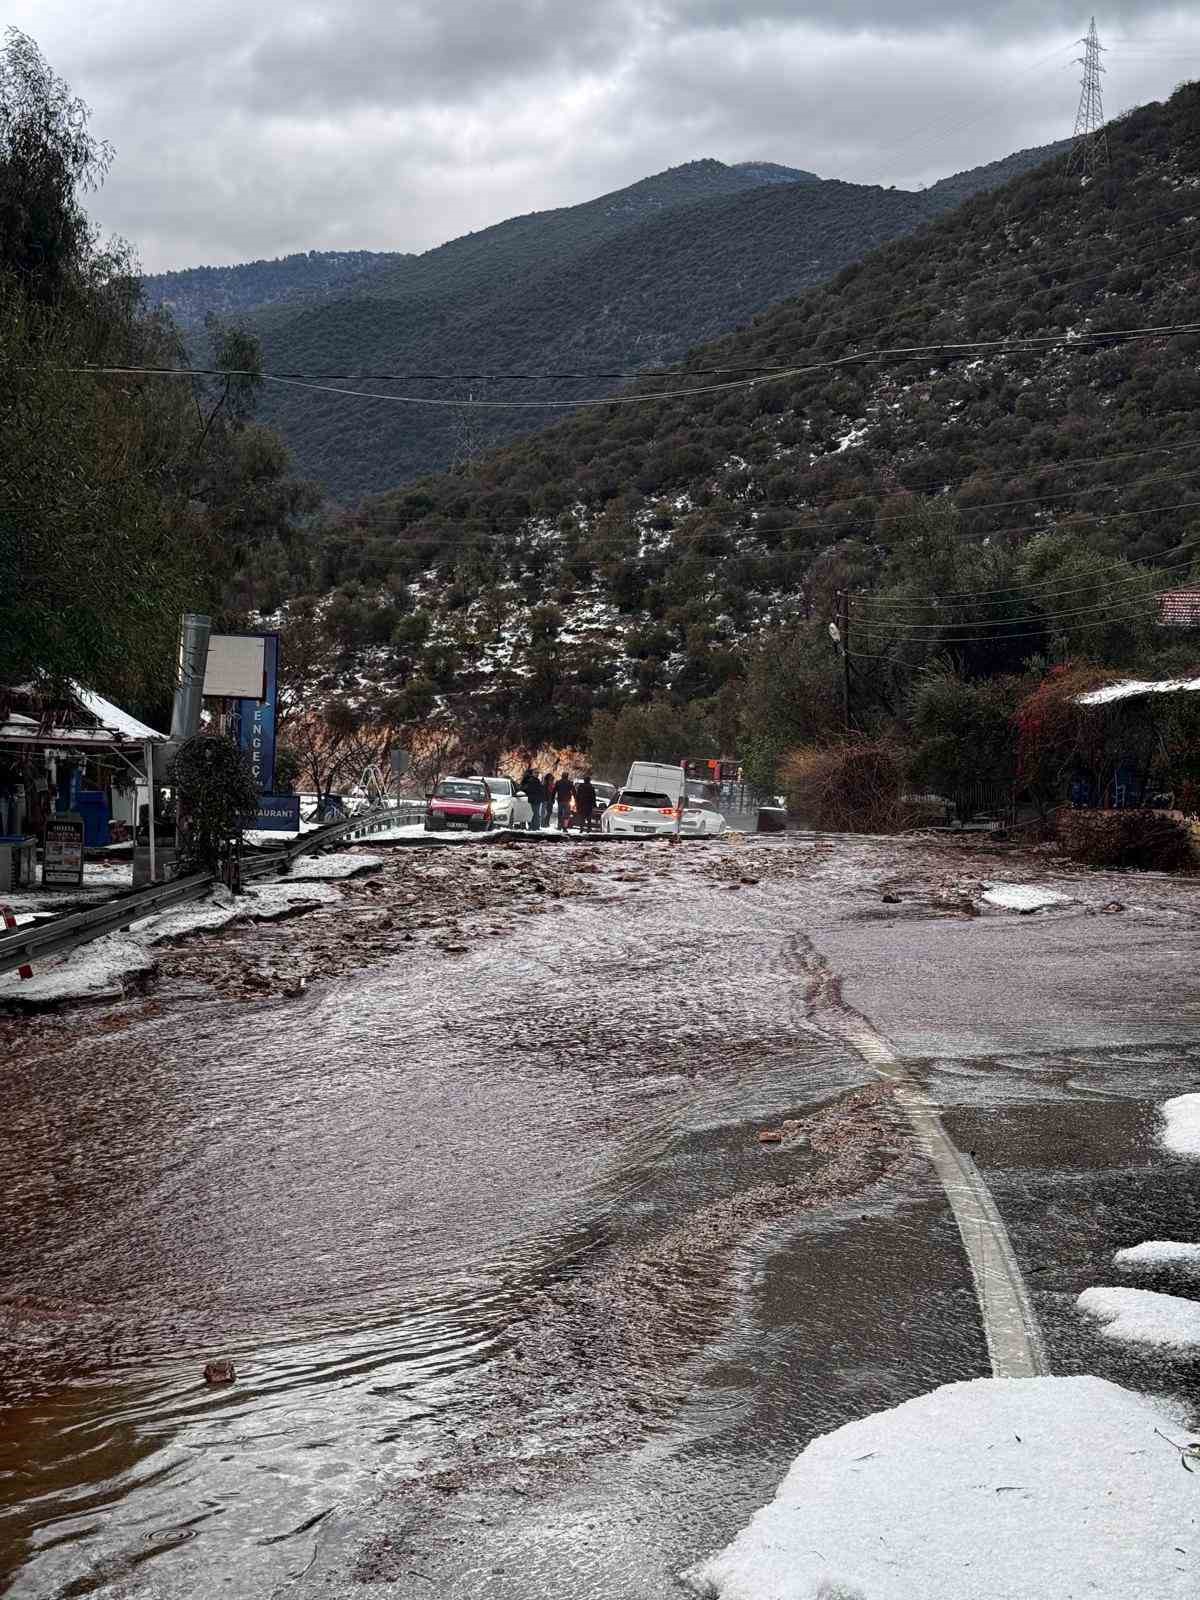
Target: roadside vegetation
(123, 499)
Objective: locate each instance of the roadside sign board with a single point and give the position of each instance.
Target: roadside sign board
(277, 813)
(400, 760)
(62, 854)
(236, 666)
(258, 717)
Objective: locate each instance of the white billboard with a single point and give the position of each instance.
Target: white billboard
(236, 666)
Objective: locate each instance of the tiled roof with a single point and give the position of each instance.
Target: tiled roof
(1180, 608)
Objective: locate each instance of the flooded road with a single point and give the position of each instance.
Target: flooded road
(513, 1291)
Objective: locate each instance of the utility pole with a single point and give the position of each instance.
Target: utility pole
(839, 632)
(1089, 152)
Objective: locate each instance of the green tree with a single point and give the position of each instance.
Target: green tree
(48, 157)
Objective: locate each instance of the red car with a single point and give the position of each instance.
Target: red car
(459, 803)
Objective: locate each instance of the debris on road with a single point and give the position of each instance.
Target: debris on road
(219, 1372)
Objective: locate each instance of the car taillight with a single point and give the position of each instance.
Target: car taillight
(666, 811)
(619, 808)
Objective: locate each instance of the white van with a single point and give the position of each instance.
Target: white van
(649, 802)
(661, 779)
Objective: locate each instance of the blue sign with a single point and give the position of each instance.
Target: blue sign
(277, 813)
(257, 719)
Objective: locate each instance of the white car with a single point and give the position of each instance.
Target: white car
(509, 809)
(702, 820)
(643, 812)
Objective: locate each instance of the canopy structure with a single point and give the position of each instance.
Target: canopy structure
(80, 720)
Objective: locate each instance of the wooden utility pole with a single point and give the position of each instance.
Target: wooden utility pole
(844, 627)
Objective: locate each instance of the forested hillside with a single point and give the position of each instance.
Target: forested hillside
(198, 292)
(618, 283)
(983, 406)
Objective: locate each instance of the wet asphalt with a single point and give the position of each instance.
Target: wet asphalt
(519, 1303)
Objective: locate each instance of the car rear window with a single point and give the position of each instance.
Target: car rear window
(460, 791)
(652, 802)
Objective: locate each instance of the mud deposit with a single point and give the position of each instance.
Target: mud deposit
(462, 1172)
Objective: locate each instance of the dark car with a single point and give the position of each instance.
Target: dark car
(459, 803)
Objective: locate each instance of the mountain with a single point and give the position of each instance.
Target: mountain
(619, 283)
(643, 548)
(197, 292)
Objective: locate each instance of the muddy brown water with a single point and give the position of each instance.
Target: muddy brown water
(353, 1197)
(386, 1199)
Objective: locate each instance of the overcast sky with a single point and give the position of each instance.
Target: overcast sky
(251, 128)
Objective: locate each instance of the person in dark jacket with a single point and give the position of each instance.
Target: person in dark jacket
(531, 788)
(564, 793)
(548, 785)
(585, 804)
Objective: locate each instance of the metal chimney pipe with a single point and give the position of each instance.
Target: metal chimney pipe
(194, 632)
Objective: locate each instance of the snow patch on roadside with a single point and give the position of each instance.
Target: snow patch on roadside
(1143, 1317)
(96, 972)
(995, 1489)
(1181, 1124)
(1022, 896)
(261, 903)
(341, 864)
(1160, 1253)
(101, 879)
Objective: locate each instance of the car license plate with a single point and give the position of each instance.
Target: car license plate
(639, 827)
(455, 822)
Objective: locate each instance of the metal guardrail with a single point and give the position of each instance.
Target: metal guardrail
(81, 927)
(56, 934)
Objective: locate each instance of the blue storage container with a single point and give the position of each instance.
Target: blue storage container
(92, 806)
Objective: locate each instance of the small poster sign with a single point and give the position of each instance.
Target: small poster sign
(62, 853)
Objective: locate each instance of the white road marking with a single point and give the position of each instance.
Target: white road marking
(1010, 1326)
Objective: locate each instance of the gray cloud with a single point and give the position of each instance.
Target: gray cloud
(396, 124)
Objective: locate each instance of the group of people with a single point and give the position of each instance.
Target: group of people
(549, 794)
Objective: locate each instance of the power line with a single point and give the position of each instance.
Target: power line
(917, 631)
(1010, 345)
(1033, 592)
(1022, 470)
(1118, 613)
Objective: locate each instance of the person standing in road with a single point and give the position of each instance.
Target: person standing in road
(548, 785)
(585, 803)
(564, 793)
(531, 788)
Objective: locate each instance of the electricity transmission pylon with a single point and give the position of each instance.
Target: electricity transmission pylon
(1089, 152)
